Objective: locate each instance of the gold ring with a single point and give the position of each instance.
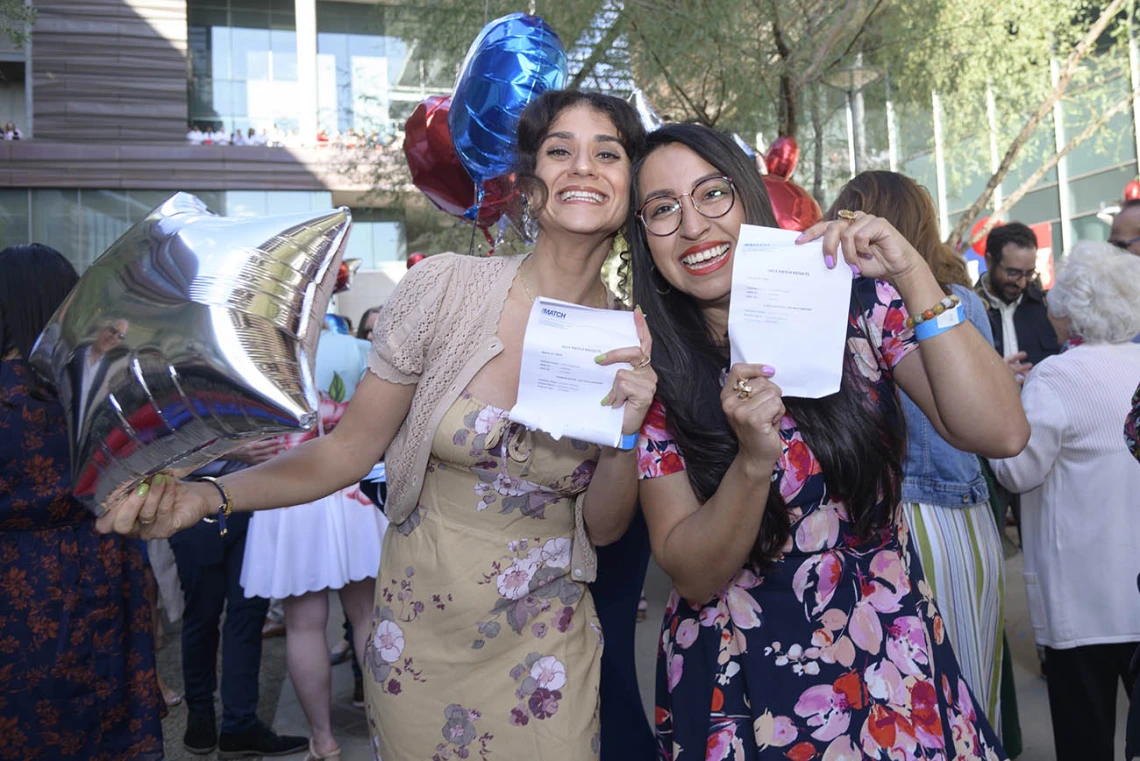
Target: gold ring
(745, 389)
(144, 523)
(846, 214)
(643, 363)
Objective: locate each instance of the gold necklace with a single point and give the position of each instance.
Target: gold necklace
(601, 286)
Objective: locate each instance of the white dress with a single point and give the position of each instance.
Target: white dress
(330, 542)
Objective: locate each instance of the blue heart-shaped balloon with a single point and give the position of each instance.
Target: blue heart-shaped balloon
(512, 61)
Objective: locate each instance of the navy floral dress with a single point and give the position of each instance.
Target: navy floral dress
(77, 678)
(838, 652)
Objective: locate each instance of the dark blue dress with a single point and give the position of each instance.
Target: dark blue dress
(77, 671)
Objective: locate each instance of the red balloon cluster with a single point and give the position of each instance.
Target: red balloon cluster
(437, 172)
(414, 259)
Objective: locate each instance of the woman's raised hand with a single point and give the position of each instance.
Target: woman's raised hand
(159, 507)
(754, 406)
(870, 244)
(636, 387)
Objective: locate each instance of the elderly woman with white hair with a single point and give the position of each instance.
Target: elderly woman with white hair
(1080, 498)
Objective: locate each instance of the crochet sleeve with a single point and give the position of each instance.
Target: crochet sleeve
(406, 325)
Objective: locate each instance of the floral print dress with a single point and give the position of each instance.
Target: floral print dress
(77, 671)
(483, 646)
(838, 652)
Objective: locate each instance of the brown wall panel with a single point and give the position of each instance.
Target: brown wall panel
(109, 70)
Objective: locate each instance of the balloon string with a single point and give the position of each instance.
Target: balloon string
(471, 245)
(486, 11)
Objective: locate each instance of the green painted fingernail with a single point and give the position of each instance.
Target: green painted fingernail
(600, 358)
(143, 490)
(606, 400)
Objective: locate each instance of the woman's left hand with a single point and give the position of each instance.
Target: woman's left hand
(870, 244)
(636, 387)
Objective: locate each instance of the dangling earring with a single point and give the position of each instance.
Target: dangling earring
(653, 273)
(529, 223)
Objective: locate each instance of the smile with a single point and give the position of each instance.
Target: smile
(707, 259)
(581, 196)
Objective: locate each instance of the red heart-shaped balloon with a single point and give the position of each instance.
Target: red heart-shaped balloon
(795, 208)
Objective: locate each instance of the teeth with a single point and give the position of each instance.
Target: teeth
(706, 255)
(581, 195)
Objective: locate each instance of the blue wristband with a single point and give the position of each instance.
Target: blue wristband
(940, 324)
(628, 442)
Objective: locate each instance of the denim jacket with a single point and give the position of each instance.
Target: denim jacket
(934, 472)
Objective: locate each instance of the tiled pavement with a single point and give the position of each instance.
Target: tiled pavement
(279, 702)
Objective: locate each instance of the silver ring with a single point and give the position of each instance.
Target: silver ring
(141, 522)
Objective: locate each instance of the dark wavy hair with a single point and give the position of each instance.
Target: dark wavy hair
(36, 279)
(534, 124)
(1012, 232)
(859, 444)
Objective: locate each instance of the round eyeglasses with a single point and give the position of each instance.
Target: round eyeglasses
(712, 198)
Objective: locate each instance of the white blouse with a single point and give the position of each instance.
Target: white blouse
(1080, 504)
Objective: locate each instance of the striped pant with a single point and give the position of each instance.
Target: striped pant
(961, 555)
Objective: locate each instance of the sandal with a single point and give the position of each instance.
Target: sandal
(312, 755)
(169, 696)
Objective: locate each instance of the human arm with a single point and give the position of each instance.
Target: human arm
(611, 498)
(702, 546)
(956, 378)
(1046, 417)
(303, 474)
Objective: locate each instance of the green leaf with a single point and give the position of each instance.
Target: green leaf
(336, 388)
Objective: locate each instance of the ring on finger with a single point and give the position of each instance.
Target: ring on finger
(847, 214)
(642, 364)
(744, 389)
(144, 521)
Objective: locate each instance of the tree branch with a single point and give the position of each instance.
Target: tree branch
(697, 112)
(1011, 200)
(599, 50)
(1066, 75)
(829, 42)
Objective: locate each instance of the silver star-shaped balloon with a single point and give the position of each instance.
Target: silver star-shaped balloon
(191, 335)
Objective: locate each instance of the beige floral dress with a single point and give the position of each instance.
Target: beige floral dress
(482, 645)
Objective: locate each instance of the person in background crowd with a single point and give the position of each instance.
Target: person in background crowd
(210, 566)
(77, 668)
(11, 132)
(220, 136)
(1125, 232)
(1012, 292)
(484, 631)
(799, 624)
(944, 494)
(367, 321)
(195, 136)
(237, 138)
(252, 138)
(297, 554)
(1079, 488)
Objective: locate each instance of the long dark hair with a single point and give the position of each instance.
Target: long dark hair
(35, 281)
(859, 445)
(908, 206)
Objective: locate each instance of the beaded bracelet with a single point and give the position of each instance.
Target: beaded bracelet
(949, 318)
(949, 302)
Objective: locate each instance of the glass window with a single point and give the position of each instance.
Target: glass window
(14, 218)
(57, 222)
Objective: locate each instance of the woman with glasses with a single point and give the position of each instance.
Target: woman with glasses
(799, 626)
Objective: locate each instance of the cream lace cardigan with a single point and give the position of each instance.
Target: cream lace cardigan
(437, 331)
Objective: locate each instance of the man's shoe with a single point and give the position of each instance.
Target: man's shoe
(259, 740)
(201, 733)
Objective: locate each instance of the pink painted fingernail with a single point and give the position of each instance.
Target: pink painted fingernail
(829, 260)
(767, 369)
(856, 270)
(800, 239)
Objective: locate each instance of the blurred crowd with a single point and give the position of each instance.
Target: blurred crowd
(205, 134)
